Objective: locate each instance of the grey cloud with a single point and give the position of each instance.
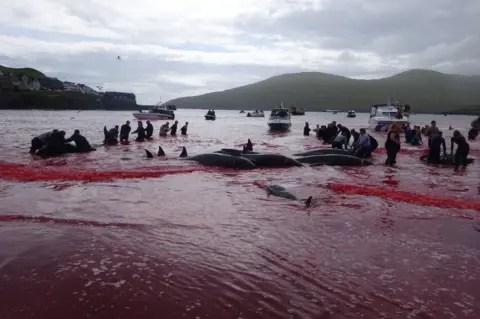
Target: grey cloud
(388, 28)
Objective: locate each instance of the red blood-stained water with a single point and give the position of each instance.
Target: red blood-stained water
(112, 234)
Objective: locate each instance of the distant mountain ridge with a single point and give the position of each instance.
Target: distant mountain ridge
(426, 90)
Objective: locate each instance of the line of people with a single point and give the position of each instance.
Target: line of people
(112, 136)
(54, 143)
(338, 136)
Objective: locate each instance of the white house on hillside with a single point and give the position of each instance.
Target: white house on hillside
(87, 90)
(71, 87)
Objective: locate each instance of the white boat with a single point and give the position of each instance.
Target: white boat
(382, 115)
(280, 119)
(257, 113)
(351, 113)
(158, 112)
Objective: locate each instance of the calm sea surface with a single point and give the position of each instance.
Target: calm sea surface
(112, 234)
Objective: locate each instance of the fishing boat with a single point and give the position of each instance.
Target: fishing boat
(382, 115)
(256, 113)
(158, 112)
(280, 119)
(351, 113)
(210, 116)
(242, 111)
(295, 110)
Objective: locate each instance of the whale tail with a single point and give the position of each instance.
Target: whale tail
(160, 151)
(308, 202)
(184, 152)
(149, 154)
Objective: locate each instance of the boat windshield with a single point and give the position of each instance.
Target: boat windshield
(279, 112)
(389, 114)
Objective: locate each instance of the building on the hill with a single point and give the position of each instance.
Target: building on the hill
(86, 89)
(52, 84)
(71, 87)
(119, 101)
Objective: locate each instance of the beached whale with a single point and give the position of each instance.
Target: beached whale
(222, 160)
(334, 159)
(324, 151)
(271, 160)
(235, 152)
(446, 160)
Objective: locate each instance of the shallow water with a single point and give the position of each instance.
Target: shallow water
(112, 234)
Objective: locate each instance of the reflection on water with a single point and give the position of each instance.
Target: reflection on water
(109, 237)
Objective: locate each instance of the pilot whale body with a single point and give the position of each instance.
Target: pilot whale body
(334, 160)
(280, 191)
(271, 160)
(223, 160)
(324, 151)
(446, 160)
(234, 152)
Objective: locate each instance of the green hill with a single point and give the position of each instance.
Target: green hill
(426, 91)
(22, 71)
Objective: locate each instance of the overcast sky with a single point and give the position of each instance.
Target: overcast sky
(175, 48)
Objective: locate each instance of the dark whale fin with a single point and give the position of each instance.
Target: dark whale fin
(149, 154)
(184, 152)
(308, 203)
(105, 132)
(160, 151)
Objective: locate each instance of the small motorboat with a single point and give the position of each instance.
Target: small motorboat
(242, 111)
(382, 115)
(280, 119)
(210, 116)
(295, 110)
(351, 113)
(256, 113)
(158, 112)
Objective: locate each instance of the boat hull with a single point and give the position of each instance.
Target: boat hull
(210, 117)
(279, 126)
(255, 115)
(352, 115)
(153, 116)
(382, 123)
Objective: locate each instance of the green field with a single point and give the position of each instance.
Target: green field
(426, 91)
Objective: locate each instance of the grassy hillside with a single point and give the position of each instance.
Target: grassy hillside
(23, 71)
(50, 100)
(427, 92)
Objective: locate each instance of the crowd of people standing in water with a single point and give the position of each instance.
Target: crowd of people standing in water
(338, 136)
(114, 135)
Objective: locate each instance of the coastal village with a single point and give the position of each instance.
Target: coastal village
(14, 82)
(28, 81)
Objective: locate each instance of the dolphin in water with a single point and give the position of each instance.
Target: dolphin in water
(280, 191)
(160, 151)
(184, 152)
(234, 152)
(149, 154)
(324, 151)
(271, 160)
(446, 160)
(334, 160)
(222, 160)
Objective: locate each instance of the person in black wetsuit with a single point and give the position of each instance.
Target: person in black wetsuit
(331, 132)
(392, 146)
(39, 141)
(173, 128)
(125, 132)
(345, 131)
(463, 148)
(81, 142)
(472, 134)
(436, 143)
(306, 129)
(321, 132)
(184, 128)
(149, 130)
(140, 131)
